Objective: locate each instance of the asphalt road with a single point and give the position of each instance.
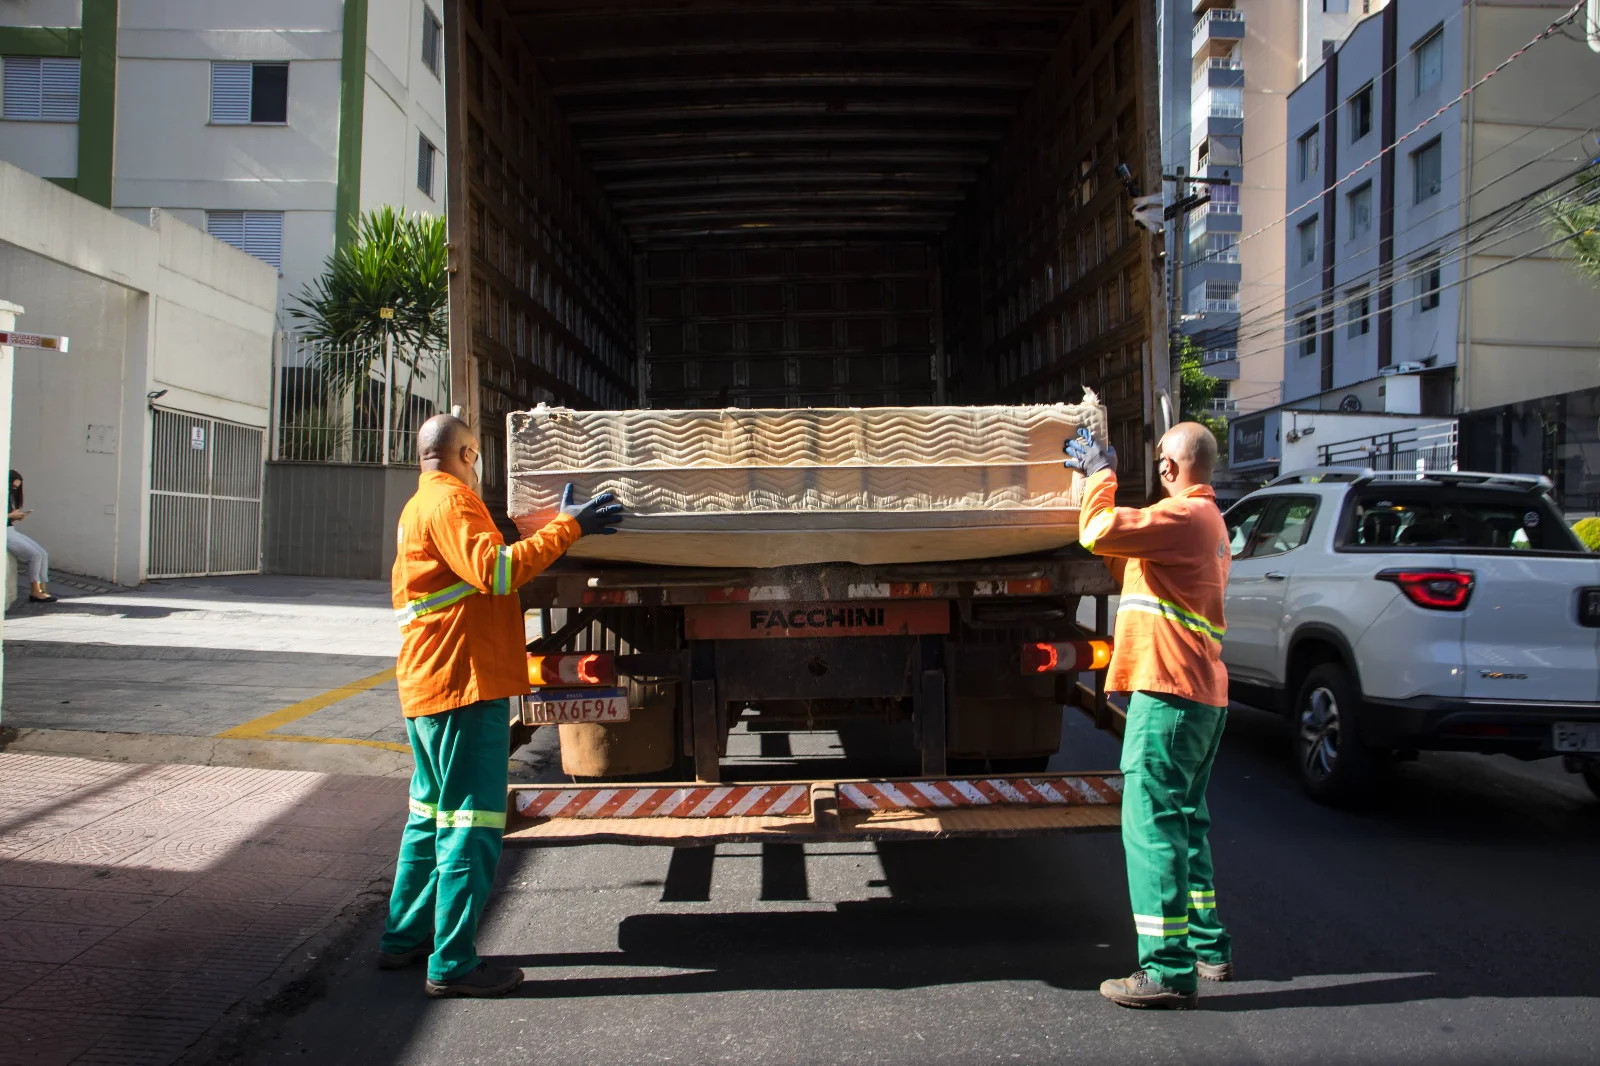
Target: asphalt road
(1455, 922)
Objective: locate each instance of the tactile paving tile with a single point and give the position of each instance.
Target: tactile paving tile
(789, 487)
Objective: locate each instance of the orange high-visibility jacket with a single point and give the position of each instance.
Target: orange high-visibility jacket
(1169, 624)
(455, 596)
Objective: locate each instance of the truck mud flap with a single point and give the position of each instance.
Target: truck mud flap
(927, 808)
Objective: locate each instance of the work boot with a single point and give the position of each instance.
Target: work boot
(1140, 991)
(1214, 971)
(399, 960)
(482, 983)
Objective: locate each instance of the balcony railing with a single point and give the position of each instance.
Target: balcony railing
(1220, 14)
(1216, 63)
(1219, 306)
(1219, 355)
(1223, 407)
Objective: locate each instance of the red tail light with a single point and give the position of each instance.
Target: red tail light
(584, 668)
(1066, 657)
(1437, 590)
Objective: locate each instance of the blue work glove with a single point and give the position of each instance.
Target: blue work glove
(599, 515)
(1087, 456)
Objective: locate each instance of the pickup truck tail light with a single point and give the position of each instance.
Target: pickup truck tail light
(1068, 657)
(1437, 590)
(584, 668)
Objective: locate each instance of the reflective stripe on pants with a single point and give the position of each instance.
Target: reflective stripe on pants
(1168, 747)
(451, 843)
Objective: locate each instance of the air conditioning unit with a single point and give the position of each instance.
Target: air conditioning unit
(1402, 368)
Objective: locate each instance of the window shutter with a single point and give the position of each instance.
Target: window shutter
(24, 91)
(59, 90)
(257, 233)
(430, 40)
(230, 93)
(263, 236)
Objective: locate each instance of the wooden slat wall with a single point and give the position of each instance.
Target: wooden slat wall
(546, 269)
(801, 325)
(1068, 292)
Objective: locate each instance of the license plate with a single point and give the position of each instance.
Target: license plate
(1577, 736)
(587, 705)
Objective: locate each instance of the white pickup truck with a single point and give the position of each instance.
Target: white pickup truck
(1387, 614)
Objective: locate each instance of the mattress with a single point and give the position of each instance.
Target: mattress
(769, 488)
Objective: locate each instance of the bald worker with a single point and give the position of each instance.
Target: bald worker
(462, 656)
(1172, 558)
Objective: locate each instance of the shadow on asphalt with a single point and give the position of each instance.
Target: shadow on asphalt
(1461, 881)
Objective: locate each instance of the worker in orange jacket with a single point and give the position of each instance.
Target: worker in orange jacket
(1174, 558)
(462, 657)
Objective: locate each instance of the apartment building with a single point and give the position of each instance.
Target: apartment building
(268, 125)
(1418, 274)
(1228, 68)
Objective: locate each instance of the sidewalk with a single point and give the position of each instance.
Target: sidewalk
(142, 905)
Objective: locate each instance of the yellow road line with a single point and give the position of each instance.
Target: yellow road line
(258, 728)
(387, 745)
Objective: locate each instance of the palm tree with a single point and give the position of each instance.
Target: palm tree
(1574, 217)
(397, 262)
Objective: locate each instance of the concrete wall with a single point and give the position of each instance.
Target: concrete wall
(330, 520)
(158, 306)
(1530, 328)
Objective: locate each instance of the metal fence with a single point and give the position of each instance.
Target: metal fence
(1432, 447)
(357, 403)
(205, 497)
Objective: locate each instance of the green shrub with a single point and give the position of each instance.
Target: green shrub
(1588, 531)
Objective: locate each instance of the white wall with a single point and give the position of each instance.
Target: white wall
(49, 149)
(44, 12)
(403, 98)
(1336, 427)
(147, 307)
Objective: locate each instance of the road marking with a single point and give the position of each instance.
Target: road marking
(262, 728)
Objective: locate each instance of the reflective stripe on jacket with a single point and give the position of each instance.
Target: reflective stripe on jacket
(1169, 624)
(455, 587)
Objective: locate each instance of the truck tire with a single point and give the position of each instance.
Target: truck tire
(1334, 766)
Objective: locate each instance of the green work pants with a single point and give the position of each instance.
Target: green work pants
(451, 843)
(1167, 751)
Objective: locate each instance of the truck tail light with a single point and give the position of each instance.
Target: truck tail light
(583, 668)
(1437, 590)
(1068, 657)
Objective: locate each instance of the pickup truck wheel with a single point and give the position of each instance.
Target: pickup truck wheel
(1591, 776)
(1335, 767)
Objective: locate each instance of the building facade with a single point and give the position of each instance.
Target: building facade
(269, 126)
(1228, 67)
(1420, 276)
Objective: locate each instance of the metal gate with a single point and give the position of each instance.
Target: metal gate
(205, 497)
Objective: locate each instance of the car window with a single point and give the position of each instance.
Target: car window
(1242, 521)
(1396, 521)
(1285, 527)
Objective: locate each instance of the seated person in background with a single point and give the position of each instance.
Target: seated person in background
(27, 550)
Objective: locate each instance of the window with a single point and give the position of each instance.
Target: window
(1242, 522)
(432, 39)
(1306, 233)
(257, 233)
(1425, 172)
(245, 94)
(1329, 46)
(1225, 199)
(41, 89)
(1305, 328)
(1310, 156)
(1397, 518)
(1286, 527)
(1358, 206)
(1361, 113)
(427, 154)
(1428, 278)
(1358, 308)
(1221, 296)
(1428, 58)
(1336, 7)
